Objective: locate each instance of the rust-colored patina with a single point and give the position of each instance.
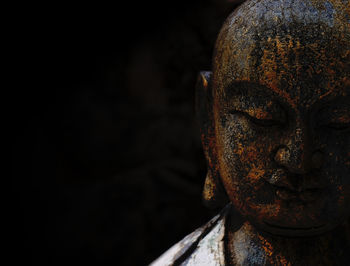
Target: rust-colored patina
(275, 127)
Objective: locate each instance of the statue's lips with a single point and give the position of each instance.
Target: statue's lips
(296, 231)
(296, 228)
(310, 196)
(305, 195)
(304, 188)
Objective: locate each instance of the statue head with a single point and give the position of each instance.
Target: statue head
(275, 115)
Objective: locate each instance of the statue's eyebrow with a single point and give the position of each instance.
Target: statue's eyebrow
(260, 91)
(243, 87)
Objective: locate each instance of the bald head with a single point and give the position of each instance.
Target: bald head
(284, 43)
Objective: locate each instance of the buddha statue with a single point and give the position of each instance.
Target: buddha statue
(275, 122)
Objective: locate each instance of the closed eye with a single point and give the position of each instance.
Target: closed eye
(259, 121)
(265, 122)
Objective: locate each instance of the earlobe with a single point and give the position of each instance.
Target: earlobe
(214, 195)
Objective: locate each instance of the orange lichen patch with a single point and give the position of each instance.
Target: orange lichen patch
(273, 210)
(282, 260)
(255, 173)
(276, 66)
(209, 188)
(239, 149)
(269, 66)
(259, 113)
(205, 83)
(250, 153)
(261, 211)
(266, 246)
(296, 52)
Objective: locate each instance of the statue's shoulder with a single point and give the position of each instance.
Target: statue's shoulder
(205, 246)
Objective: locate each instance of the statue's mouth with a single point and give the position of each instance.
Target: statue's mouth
(305, 195)
(296, 228)
(296, 187)
(296, 231)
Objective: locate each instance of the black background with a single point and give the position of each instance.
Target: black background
(107, 162)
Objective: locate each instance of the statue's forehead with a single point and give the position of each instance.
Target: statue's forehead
(301, 99)
(299, 50)
(300, 70)
(300, 76)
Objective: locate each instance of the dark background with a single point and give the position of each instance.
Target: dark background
(107, 162)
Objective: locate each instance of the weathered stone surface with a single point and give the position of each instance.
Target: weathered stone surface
(275, 123)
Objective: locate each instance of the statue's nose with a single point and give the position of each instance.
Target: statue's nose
(298, 154)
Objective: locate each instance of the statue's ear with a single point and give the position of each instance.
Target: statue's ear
(214, 196)
(204, 103)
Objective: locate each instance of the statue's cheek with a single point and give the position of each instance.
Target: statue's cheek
(249, 147)
(336, 167)
(244, 162)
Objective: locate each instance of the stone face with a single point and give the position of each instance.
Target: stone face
(275, 124)
(275, 128)
(279, 132)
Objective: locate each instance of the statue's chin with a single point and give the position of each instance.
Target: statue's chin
(297, 231)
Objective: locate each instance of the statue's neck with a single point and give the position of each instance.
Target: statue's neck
(247, 246)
